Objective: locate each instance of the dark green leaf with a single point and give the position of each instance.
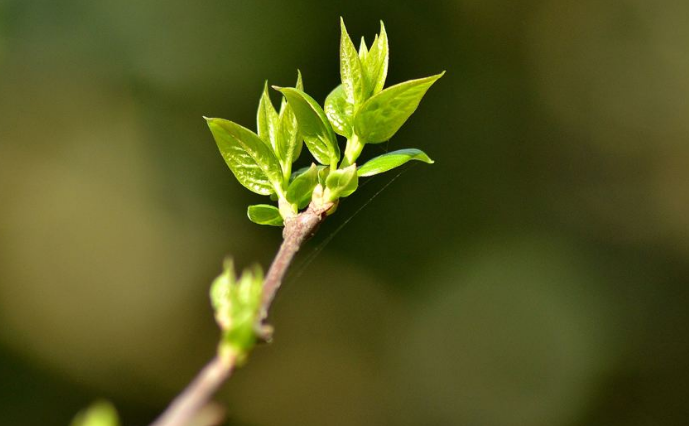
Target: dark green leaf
(391, 160)
(351, 71)
(265, 214)
(314, 126)
(383, 114)
(339, 111)
(299, 191)
(341, 183)
(250, 159)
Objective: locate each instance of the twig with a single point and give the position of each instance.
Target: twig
(199, 392)
(183, 409)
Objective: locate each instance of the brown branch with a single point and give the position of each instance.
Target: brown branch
(200, 391)
(183, 408)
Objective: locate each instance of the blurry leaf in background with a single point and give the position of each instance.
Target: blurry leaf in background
(98, 414)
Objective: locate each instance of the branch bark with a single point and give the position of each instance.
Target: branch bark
(200, 391)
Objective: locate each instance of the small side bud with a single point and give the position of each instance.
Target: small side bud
(100, 413)
(237, 303)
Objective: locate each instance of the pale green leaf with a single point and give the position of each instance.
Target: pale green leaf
(341, 183)
(249, 158)
(317, 132)
(290, 140)
(391, 160)
(383, 114)
(376, 63)
(363, 50)
(265, 214)
(351, 70)
(339, 112)
(267, 120)
(299, 191)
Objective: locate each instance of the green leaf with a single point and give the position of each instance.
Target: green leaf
(250, 159)
(363, 50)
(341, 183)
(391, 160)
(351, 71)
(290, 140)
(339, 112)
(299, 191)
(375, 64)
(100, 413)
(267, 120)
(314, 126)
(383, 114)
(265, 214)
(237, 304)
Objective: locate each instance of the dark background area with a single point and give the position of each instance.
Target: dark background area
(535, 275)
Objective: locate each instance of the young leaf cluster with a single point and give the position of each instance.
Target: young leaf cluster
(360, 109)
(237, 302)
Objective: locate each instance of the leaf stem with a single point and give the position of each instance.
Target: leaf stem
(352, 151)
(297, 231)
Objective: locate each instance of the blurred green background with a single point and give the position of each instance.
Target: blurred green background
(535, 275)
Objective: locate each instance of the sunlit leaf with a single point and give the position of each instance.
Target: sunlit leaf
(383, 114)
(363, 50)
(250, 159)
(339, 111)
(290, 140)
(351, 71)
(267, 120)
(318, 134)
(391, 160)
(375, 64)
